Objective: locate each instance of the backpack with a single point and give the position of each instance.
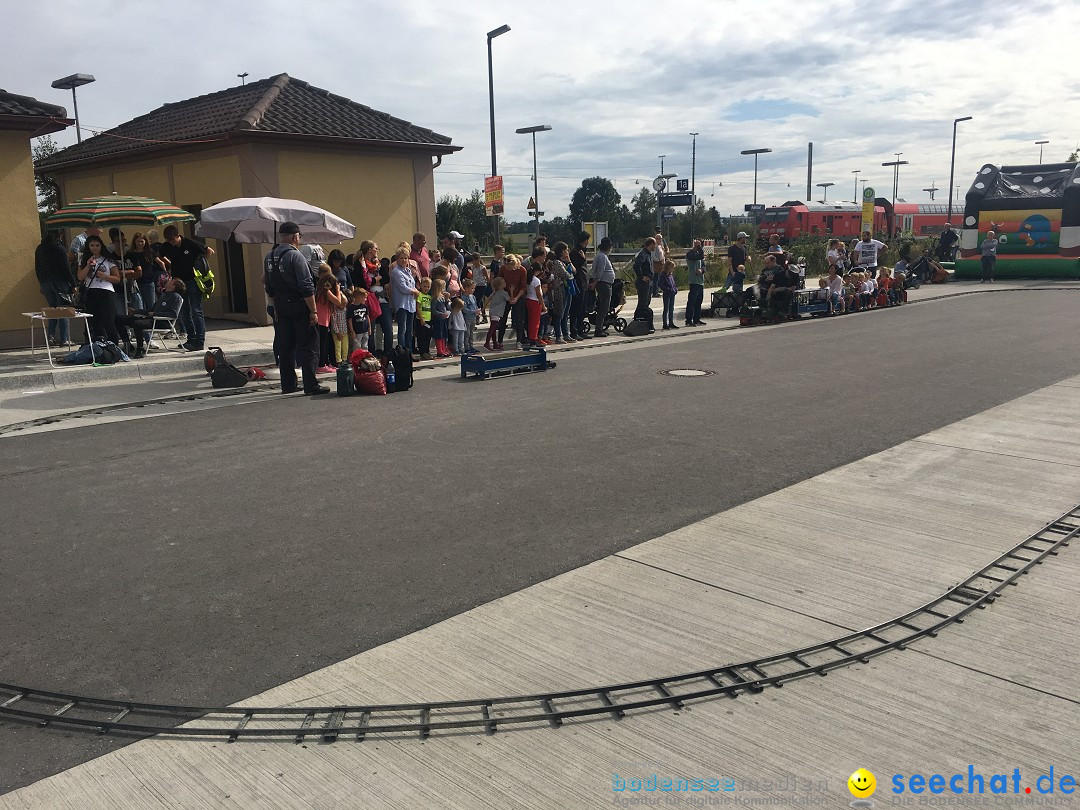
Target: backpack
(204, 276)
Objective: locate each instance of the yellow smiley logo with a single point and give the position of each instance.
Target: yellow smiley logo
(862, 784)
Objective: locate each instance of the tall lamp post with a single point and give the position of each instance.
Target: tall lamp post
(825, 193)
(856, 173)
(70, 83)
(1041, 144)
(498, 32)
(693, 179)
(755, 153)
(952, 167)
(536, 182)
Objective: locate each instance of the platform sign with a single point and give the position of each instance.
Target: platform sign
(682, 185)
(868, 209)
(493, 195)
(676, 200)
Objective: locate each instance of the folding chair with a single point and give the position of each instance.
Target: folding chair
(165, 325)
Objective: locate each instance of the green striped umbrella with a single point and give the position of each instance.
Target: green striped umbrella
(117, 209)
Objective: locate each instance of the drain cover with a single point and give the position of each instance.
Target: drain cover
(687, 372)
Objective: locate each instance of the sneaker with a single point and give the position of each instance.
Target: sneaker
(558, 341)
(569, 340)
(326, 370)
(426, 356)
(673, 326)
(699, 322)
(498, 347)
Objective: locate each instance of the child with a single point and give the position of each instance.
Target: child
(547, 329)
(358, 320)
(457, 326)
(481, 291)
(468, 298)
(498, 303)
(737, 279)
(327, 299)
(669, 289)
(423, 319)
(440, 317)
(339, 327)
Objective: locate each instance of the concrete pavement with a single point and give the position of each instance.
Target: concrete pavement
(844, 549)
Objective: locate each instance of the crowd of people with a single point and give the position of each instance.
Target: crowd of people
(125, 284)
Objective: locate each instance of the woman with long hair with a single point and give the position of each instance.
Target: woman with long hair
(97, 274)
(145, 269)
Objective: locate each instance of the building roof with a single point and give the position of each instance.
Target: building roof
(279, 106)
(24, 112)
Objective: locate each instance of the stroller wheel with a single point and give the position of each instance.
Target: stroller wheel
(620, 324)
(586, 328)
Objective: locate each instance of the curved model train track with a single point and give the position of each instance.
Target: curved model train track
(331, 723)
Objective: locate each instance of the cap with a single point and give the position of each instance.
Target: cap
(288, 228)
(742, 235)
(457, 235)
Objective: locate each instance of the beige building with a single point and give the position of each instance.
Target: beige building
(278, 137)
(21, 118)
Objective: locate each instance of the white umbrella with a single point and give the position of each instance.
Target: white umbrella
(255, 220)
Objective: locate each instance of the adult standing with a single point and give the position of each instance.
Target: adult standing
(182, 254)
(658, 257)
(645, 275)
(949, 238)
(404, 295)
(695, 273)
(515, 275)
(600, 279)
(989, 256)
(75, 250)
(560, 275)
(836, 256)
(580, 263)
(418, 253)
(287, 280)
(868, 253)
(145, 268)
(56, 281)
(737, 255)
(453, 240)
(98, 273)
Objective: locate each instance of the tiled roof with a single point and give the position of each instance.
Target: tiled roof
(11, 104)
(279, 104)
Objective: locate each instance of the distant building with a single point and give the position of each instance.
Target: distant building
(21, 118)
(277, 137)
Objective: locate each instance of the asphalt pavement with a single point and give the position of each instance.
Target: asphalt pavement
(203, 557)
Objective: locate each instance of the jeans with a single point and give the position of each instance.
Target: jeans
(458, 336)
(386, 325)
(192, 316)
(149, 295)
(644, 300)
(297, 338)
(693, 303)
(405, 320)
(564, 317)
(603, 303)
(669, 308)
(470, 327)
(52, 293)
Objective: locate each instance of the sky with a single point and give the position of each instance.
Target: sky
(620, 83)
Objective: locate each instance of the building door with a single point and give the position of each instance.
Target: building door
(235, 279)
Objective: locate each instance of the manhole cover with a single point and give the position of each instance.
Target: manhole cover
(687, 372)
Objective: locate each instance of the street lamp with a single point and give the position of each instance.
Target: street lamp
(243, 78)
(498, 32)
(755, 153)
(70, 83)
(856, 173)
(952, 167)
(896, 164)
(825, 193)
(536, 184)
(693, 178)
(1040, 144)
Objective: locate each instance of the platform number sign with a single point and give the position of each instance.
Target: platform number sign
(682, 185)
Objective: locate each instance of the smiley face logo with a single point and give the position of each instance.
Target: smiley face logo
(862, 784)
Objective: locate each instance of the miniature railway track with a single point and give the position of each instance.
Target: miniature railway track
(333, 723)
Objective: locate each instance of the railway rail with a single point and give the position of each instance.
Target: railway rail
(334, 723)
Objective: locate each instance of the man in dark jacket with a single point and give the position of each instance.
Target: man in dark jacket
(168, 305)
(182, 254)
(56, 281)
(643, 276)
(287, 280)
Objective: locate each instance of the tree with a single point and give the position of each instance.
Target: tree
(642, 220)
(466, 216)
(48, 190)
(596, 200)
(1074, 156)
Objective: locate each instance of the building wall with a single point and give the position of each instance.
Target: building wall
(19, 290)
(375, 193)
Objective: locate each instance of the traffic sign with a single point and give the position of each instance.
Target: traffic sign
(532, 205)
(682, 185)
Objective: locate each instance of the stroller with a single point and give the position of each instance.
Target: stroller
(618, 299)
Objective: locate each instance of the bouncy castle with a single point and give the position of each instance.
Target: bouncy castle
(1035, 213)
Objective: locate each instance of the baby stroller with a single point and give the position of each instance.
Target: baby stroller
(618, 299)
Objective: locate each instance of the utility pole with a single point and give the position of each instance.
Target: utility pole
(693, 178)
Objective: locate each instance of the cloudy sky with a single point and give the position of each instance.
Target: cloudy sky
(620, 83)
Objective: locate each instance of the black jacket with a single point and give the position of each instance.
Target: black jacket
(51, 265)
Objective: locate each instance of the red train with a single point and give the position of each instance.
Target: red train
(794, 219)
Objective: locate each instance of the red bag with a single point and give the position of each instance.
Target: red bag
(371, 382)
